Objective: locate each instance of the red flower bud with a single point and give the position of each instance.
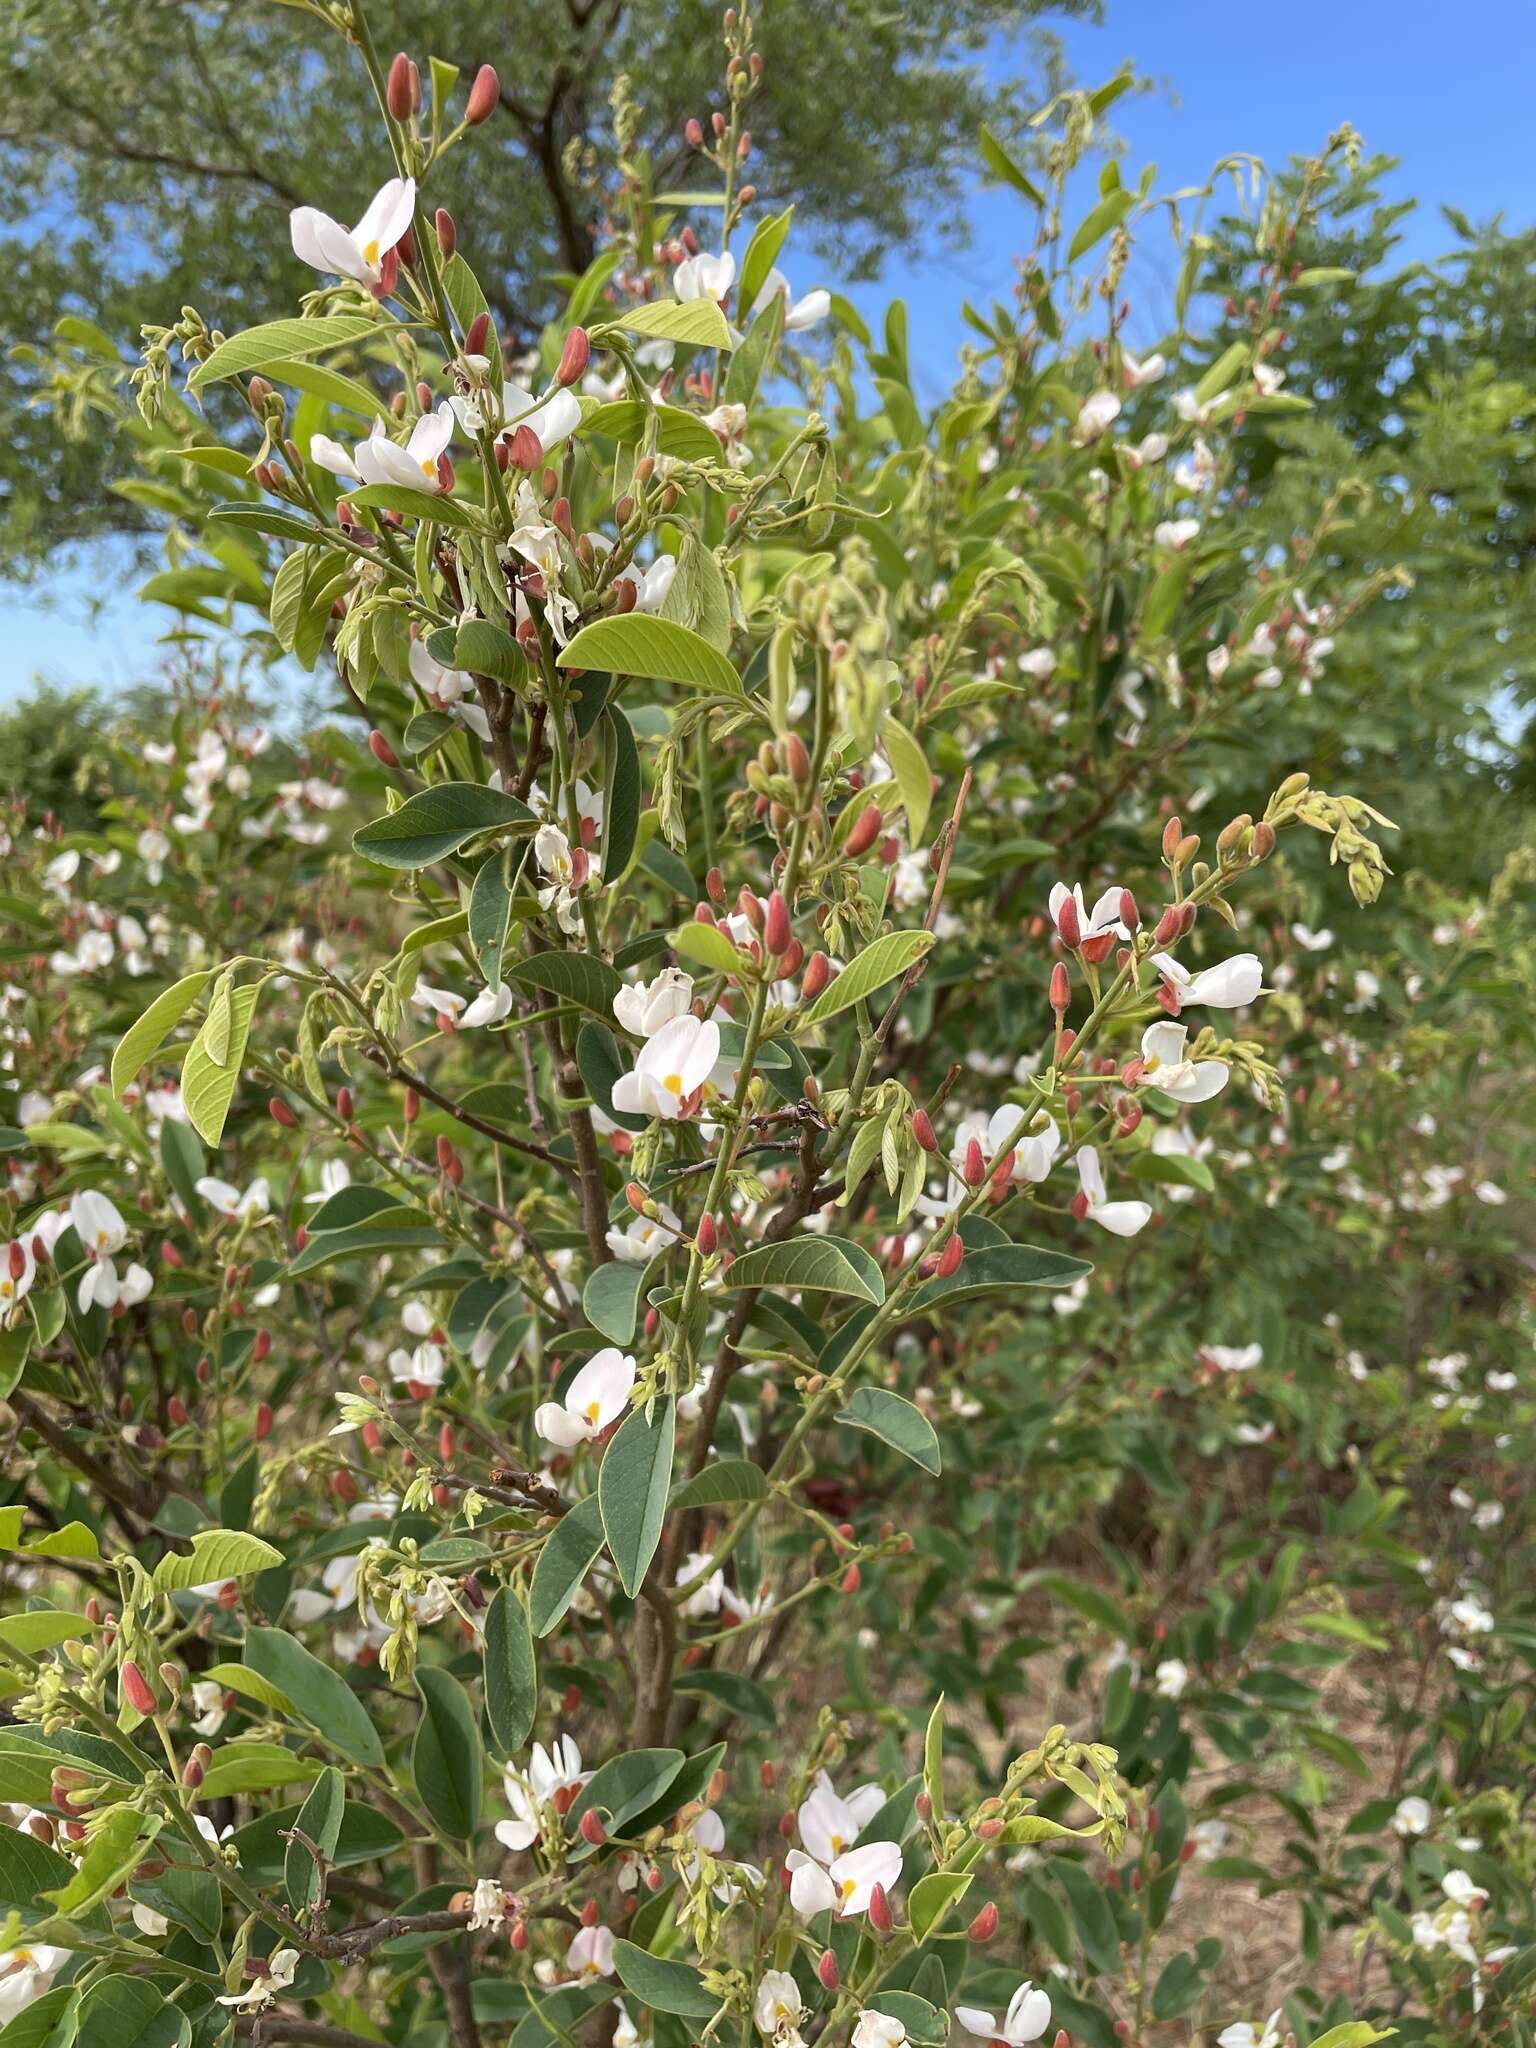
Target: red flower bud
(923, 1131)
(776, 932)
(381, 750)
(280, 1113)
(984, 1926)
(819, 971)
(1061, 988)
(263, 1422)
(975, 1163)
(484, 96)
(574, 357)
(410, 1109)
(397, 94)
(881, 1918)
(950, 1257)
(865, 832)
(344, 1103)
(826, 1970)
(693, 133)
(1173, 832)
(1069, 924)
(592, 1829)
(177, 1412)
(707, 1236)
(1130, 916)
(850, 1579)
(135, 1688)
(525, 451)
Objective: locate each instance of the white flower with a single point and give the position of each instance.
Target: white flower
(413, 467)
(149, 1922)
(277, 1973)
(856, 1872)
(1460, 1889)
(1230, 985)
(228, 1200)
(18, 1268)
(829, 1824)
(878, 2030)
(645, 1006)
(1104, 916)
(1233, 1357)
(1412, 1816)
(776, 2007)
(557, 1769)
(798, 313)
(97, 1224)
(153, 849)
(1244, 2034)
(705, 276)
(357, 252)
(25, 1974)
(708, 1593)
(1311, 941)
(1167, 1069)
(651, 583)
(671, 1069)
(488, 1905)
(552, 419)
(1170, 1678)
(1122, 1219)
(1491, 1193)
(447, 685)
(1027, 2017)
(1175, 533)
(1095, 416)
(208, 1698)
(489, 1007)
(645, 1236)
(591, 1953)
(598, 1395)
(1268, 378)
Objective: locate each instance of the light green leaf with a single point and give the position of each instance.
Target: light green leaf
(678, 433)
(280, 341)
(216, 1555)
(728, 1483)
(696, 323)
(1002, 165)
(564, 1562)
(320, 1821)
(320, 1694)
(39, 1628)
(141, 1041)
(255, 1767)
(208, 1084)
(878, 964)
(657, 649)
(706, 945)
(913, 777)
(762, 253)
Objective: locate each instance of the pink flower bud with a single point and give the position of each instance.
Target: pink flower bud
(826, 1970)
(484, 96)
(592, 1829)
(1068, 923)
(984, 1926)
(881, 1918)
(136, 1688)
(397, 94)
(923, 1131)
(574, 357)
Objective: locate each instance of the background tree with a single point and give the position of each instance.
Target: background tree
(151, 152)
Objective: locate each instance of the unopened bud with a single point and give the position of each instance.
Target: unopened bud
(1061, 988)
(949, 1259)
(826, 1970)
(447, 233)
(707, 1235)
(484, 96)
(984, 1926)
(776, 931)
(574, 357)
(819, 971)
(865, 831)
(135, 1688)
(397, 94)
(1173, 832)
(1069, 924)
(975, 1163)
(881, 1918)
(923, 1131)
(592, 1829)
(381, 750)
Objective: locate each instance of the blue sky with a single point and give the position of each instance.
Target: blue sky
(1444, 88)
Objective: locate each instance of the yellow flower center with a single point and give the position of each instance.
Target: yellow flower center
(370, 252)
(594, 1409)
(673, 1083)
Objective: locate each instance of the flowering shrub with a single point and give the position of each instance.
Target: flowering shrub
(731, 1389)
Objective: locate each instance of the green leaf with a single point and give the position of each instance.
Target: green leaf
(1353, 2034)
(216, 1555)
(321, 1695)
(933, 1757)
(511, 1675)
(735, 1693)
(871, 970)
(1000, 1269)
(621, 792)
(896, 1422)
(757, 351)
(706, 945)
(250, 1685)
(1108, 214)
(680, 434)
(438, 821)
(39, 1628)
(320, 1820)
(73, 1540)
(212, 1070)
(280, 341)
(1162, 600)
(111, 1853)
(1002, 165)
(696, 323)
(659, 650)
(814, 1265)
(564, 1562)
(141, 1041)
(632, 1489)
(762, 253)
(485, 650)
(611, 1298)
(700, 597)
(627, 1787)
(445, 1760)
(663, 1985)
(728, 1483)
(490, 913)
(913, 779)
(931, 1898)
(573, 977)
(52, 2021)
(131, 2012)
